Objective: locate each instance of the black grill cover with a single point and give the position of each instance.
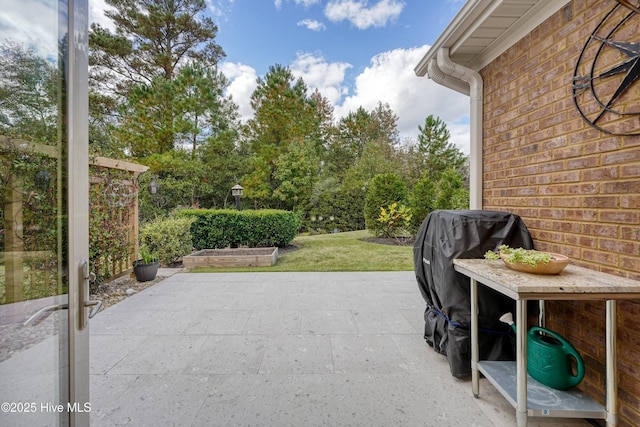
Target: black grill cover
(442, 237)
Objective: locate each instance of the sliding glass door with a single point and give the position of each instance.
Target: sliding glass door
(44, 363)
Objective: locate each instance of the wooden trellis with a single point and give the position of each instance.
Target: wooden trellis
(24, 267)
(129, 219)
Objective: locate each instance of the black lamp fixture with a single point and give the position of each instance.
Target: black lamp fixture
(43, 179)
(236, 190)
(153, 185)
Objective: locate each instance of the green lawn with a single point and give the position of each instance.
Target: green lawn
(337, 252)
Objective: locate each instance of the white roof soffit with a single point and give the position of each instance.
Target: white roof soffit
(483, 29)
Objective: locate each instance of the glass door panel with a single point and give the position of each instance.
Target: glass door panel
(36, 340)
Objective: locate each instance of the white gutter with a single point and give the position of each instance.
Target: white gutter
(437, 75)
(447, 73)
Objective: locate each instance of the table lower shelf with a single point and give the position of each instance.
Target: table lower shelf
(542, 401)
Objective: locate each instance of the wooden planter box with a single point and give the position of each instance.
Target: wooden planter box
(240, 257)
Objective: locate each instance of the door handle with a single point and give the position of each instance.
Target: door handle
(44, 311)
(86, 276)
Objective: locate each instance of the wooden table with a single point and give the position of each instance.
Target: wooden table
(510, 378)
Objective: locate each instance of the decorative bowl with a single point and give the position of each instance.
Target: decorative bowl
(554, 266)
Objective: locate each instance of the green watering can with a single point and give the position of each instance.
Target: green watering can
(549, 357)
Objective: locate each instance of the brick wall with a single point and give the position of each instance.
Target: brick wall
(577, 188)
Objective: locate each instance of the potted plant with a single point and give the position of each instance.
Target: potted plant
(146, 268)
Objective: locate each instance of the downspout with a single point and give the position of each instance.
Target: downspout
(451, 70)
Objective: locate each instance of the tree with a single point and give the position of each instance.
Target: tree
(225, 161)
(198, 110)
(373, 161)
(284, 115)
(436, 153)
(204, 110)
(451, 192)
(324, 112)
(28, 93)
(136, 67)
(146, 125)
(359, 130)
(351, 139)
(152, 38)
(181, 183)
(296, 171)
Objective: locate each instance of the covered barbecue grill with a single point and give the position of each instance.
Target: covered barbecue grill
(447, 235)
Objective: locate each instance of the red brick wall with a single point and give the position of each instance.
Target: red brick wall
(577, 189)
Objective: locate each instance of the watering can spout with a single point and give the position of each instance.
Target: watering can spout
(508, 319)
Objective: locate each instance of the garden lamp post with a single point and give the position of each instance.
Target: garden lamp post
(236, 190)
(153, 185)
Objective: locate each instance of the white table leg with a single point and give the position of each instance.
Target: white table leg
(521, 362)
(475, 377)
(612, 371)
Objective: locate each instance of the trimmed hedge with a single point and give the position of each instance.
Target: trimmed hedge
(220, 228)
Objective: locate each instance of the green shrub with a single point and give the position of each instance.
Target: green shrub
(394, 220)
(421, 201)
(452, 193)
(168, 239)
(218, 229)
(332, 200)
(383, 190)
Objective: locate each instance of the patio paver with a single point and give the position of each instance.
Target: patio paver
(280, 349)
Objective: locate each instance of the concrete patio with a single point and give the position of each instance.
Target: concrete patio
(280, 349)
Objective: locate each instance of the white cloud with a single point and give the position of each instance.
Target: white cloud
(31, 23)
(362, 16)
(305, 3)
(328, 78)
(242, 83)
(96, 14)
(390, 79)
(460, 136)
(312, 24)
(219, 8)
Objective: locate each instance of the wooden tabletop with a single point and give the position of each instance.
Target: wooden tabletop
(571, 283)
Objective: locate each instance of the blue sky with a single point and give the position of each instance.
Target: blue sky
(264, 32)
(355, 52)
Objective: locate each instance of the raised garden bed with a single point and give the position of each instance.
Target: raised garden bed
(240, 257)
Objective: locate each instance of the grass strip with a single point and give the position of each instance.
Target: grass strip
(336, 252)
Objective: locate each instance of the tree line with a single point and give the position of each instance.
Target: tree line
(157, 97)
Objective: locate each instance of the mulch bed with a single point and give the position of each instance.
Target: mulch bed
(113, 292)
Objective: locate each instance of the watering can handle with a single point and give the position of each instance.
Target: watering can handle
(570, 348)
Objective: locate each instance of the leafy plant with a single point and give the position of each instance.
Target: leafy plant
(383, 190)
(519, 255)
(112, 198)
(168, 238)
(147, 257)
(492, 256)
(395, 220)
